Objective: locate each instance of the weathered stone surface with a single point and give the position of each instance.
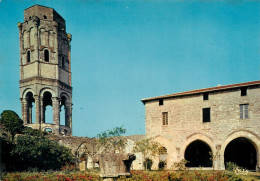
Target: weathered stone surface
(185, 123)
(114, 164)
(45, 67)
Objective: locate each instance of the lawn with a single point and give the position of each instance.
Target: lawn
(136, 175)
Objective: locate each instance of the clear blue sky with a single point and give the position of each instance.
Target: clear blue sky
(124, 51)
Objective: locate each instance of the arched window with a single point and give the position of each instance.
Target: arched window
(48, 130)
(44, 17)
(46, 56)
(162, 154)
(28, 56)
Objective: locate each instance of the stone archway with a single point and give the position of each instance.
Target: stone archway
(202, 139)
(253, 138)
(242, 152)
(197, 154)
(171, 156)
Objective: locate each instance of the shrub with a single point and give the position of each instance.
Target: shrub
(161, 165)
(231, 166)
(38, 152)
(148, 163)
(179, 165)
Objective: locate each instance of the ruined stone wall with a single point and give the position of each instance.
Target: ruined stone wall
(80, 146)
(185, 123)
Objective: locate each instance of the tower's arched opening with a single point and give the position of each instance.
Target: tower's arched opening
(30, 111)
(63, 111)
(46, 55)
(47, 108)
(28, 56)
(242, 152)
(198, 154)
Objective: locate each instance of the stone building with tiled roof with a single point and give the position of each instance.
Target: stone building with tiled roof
(221, 122)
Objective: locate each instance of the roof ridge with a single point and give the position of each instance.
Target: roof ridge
(210, 89)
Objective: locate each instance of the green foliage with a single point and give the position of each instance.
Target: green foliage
(179, 165)
(11, 122)
(148, 163)
(231, 166)
(33, 132)
(161, 165)
(39, 152)
(111, 140)
(147, 147)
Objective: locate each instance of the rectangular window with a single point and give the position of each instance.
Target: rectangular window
(206, 96)
(206, 115)
(160, 102)
(243, 111)
(243, 91)
(165, 118)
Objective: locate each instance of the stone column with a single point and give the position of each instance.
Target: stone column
(37, 112)
(222, 162)
(42, 109)
(56, 110)
(24, 110)
(70, 117)
(67, 114)
(30, 113)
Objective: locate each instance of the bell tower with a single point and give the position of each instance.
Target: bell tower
(45, 71)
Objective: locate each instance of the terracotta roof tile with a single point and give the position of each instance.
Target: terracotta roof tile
(199, 91)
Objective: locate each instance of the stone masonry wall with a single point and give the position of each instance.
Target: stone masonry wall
(186, 125)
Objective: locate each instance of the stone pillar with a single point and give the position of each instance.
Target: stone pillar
(222, 162)
(24, 105)
(70, 117)
(25, 113)
(67, 114)
(37, 112)
(30, 113)
(42, 109)
(56, 111)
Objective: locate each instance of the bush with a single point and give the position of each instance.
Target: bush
(231, 166)
(161, 165)
(179, 165)
(38, 152)
(148, 164)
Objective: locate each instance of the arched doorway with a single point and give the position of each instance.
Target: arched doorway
(242, 152)
(197, 154)
(162, 158)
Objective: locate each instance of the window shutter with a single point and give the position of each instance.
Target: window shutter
(246, 111)
(241, 111)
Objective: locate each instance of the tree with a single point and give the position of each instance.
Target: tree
(148, 148)
(39, 152)
(11, 122)
(111, 140)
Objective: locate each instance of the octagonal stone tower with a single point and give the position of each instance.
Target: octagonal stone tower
(45, 71)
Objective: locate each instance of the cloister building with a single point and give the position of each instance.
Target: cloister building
(208, 127)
